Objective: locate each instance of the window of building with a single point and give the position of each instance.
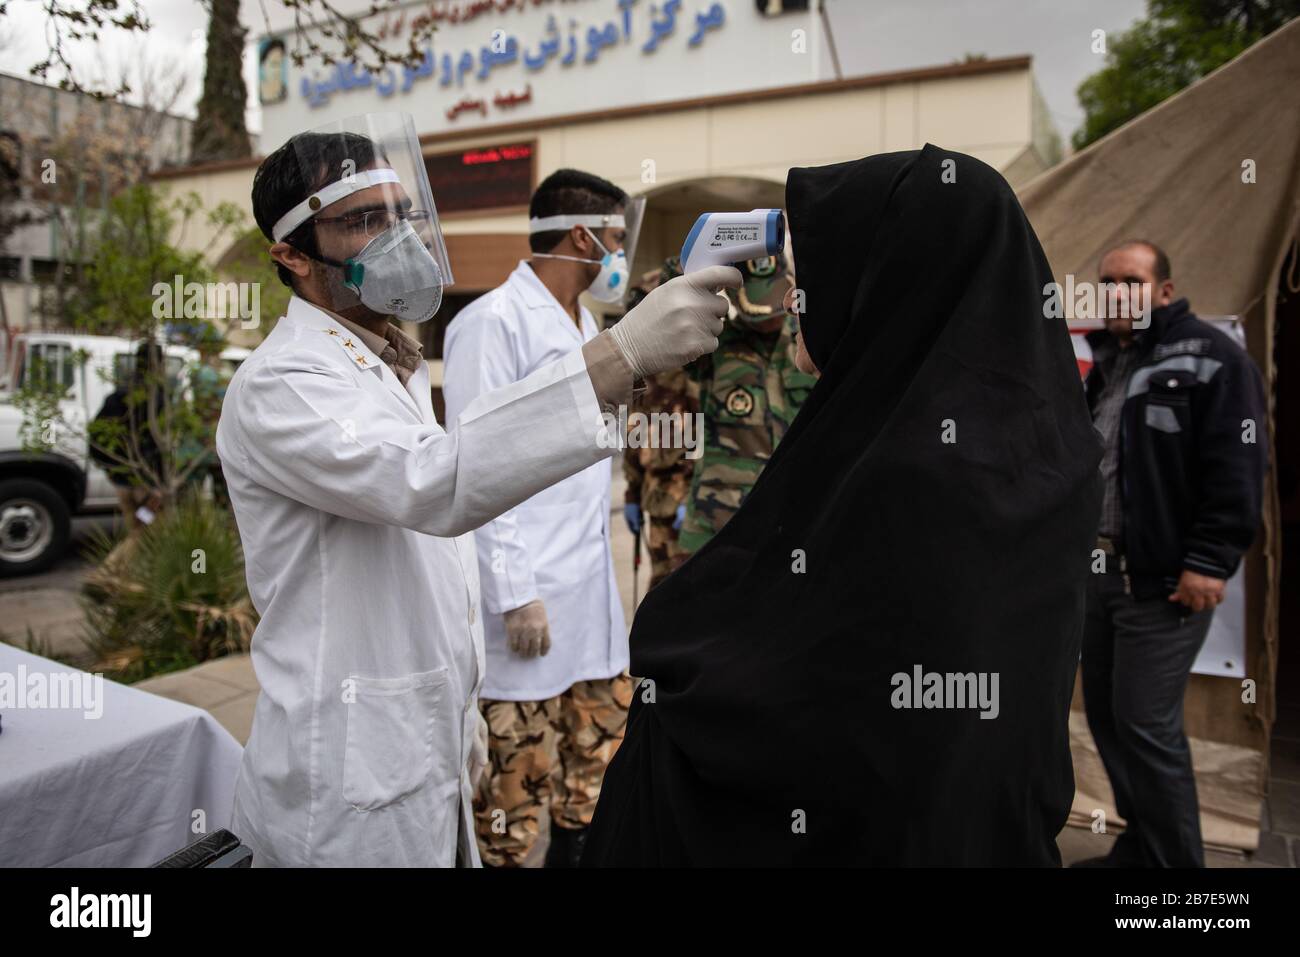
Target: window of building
(46, 271)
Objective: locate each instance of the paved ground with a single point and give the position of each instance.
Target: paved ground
(45, 606)
(228, 689)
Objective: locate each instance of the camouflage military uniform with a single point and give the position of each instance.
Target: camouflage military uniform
(539, 751)
(749, 391)
(660, 479)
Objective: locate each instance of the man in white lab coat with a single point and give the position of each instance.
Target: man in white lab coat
(355, 506)
(556, 693)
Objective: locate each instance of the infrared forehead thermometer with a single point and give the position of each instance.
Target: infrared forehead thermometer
(725, 238)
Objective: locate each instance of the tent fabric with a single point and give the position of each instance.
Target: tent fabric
(1212, 175)
(1174, 176)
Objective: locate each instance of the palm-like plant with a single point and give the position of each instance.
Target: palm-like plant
(170, 595)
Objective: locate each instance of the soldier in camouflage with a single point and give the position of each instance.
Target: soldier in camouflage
(749, 391)
(659, 479)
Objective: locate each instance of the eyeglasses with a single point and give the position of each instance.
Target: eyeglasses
(375, 221)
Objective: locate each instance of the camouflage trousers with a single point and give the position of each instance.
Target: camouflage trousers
(554, 750)
(661, 543)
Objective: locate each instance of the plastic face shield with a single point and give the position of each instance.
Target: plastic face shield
(633, 213)
(629, 221)
(371, 213)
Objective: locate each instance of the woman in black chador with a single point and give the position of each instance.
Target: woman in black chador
(872, 662)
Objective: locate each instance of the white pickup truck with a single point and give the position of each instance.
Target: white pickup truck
(41, 491)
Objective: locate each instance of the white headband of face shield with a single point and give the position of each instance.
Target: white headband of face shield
(591, 220)
(327, 195)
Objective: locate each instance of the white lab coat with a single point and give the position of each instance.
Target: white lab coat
(355, 509)
(556, 545)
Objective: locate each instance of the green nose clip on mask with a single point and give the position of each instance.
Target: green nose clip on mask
(395, 275)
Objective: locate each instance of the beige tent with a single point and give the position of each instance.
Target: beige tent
(1179, 175)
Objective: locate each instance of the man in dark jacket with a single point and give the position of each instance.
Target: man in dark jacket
(1180, 409)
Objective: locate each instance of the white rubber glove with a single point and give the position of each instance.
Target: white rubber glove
(677, 322)
(527, 634)
(478, 751)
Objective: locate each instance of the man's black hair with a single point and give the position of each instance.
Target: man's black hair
(570, 192)
(1163, 269)
(295, 171)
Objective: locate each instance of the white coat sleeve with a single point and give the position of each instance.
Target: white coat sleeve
(480, 355)
(307, 430)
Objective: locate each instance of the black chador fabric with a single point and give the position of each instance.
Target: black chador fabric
(930, 512)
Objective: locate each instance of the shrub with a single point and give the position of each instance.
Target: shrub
(169, 595)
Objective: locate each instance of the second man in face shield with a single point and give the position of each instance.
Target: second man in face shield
(556, 641)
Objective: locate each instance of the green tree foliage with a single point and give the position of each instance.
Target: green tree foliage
(1177, 43)
(132, 252)
(169, 441)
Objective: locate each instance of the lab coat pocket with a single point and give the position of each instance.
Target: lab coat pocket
(389, 751)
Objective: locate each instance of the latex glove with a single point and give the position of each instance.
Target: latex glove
(478, 751)
(527, 634)
(677, 322)
(681, 517)
(632, 515)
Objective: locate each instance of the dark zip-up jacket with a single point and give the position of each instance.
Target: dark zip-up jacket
(1193, 449)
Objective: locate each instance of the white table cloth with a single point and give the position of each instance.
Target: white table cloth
(119, 790)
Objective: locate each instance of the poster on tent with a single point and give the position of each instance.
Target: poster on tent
(1224, 651)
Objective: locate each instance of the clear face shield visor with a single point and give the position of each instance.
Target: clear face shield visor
(371, 217)
(633, 213)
